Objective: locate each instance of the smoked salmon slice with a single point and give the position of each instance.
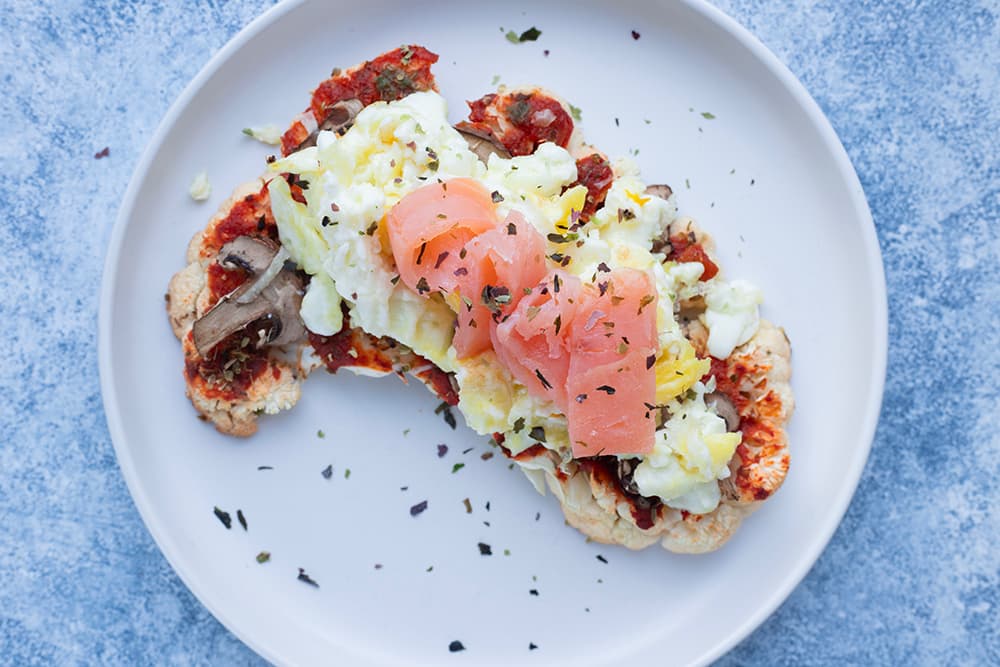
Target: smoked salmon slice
(532, 344)
(590, 348)
(428, 228)
(445, 237)
(611, 382)
(503, 262)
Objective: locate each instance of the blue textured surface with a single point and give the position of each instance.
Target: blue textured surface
(912, 576)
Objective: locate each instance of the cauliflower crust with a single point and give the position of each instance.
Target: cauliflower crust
(276, 387)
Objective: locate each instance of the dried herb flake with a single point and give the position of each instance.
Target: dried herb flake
(541, 378)
(224, 517)
(530, 35)
(305, 578)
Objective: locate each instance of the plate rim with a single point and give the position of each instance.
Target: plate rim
(734, 30)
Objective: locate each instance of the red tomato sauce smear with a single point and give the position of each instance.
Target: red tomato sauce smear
(531, 120)
(229, 369)
(683, 248)
(391, 76)
(595, 173)
(250, 216)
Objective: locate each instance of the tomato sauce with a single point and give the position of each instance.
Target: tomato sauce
(531, 120)
(684, 249)
(353, 347)
(391, 76)
(228, 370)
(222, 281)
(250, 216)
(439, 382)
(594, 172)
(343, 349)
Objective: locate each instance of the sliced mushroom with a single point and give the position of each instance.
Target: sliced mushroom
(482, 142)
(725, 409)
(274, 315)
(339, 118)
(285, 292)
(661, 191)
(626, 475)
(249, 253)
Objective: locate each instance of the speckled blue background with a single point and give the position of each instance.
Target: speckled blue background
(912, 576)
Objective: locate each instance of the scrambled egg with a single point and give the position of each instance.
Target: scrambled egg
(338, 237)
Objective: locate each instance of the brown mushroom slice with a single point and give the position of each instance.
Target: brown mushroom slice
(275, 310)
(285, 294)
(249, 253)
(339, 118)
(725, 409)
(226, 317)
(661, 191)
(482, 142)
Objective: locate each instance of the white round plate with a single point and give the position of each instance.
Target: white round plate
(766, 176)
